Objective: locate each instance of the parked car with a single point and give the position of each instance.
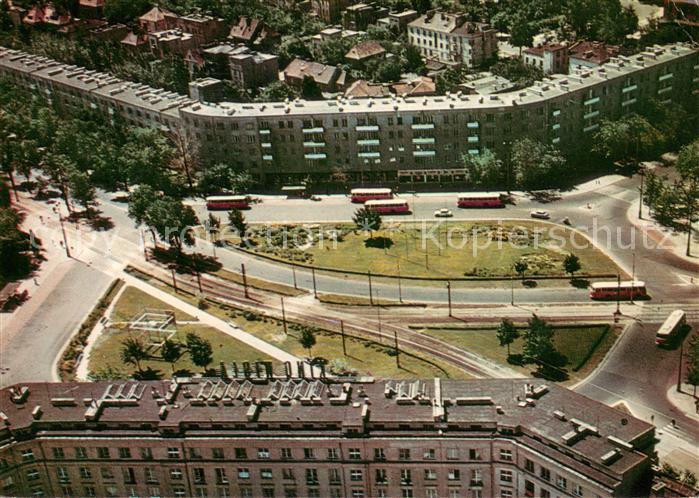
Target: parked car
(443, 213)
(315, 198)
(540, 215)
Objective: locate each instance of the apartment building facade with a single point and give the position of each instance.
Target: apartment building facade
(451, 39)
(386, 139)
(287, 437)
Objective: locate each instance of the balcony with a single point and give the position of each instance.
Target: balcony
(264, 132)
(424, 153)
(590, 115)
(316, 155)
(590, 128)
(476, 483)
(665, 77)
(592, 101)
(422, 126)
(664, 90)
(266, 145)
(629, 89)
(367, 128)
(473, 125)
(318, 129)
(628, 102)
(267, 157)
(473, 139)
(369, 142)
(474, 152)
(556, 126)
(314, 144)
(423, 140)
(371, 155)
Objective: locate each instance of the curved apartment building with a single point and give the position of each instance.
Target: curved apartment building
(380, 139)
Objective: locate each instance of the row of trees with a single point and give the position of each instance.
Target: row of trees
(538, 346)
(571, 265)
(134, 351)
(692, 373)
(675, 202)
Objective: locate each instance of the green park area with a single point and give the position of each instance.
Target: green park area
(364, 357)
(440, 249)
(581, 347)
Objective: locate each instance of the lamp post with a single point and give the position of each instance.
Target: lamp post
(174, 280)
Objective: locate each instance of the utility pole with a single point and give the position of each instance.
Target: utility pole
(342, 331)
(174, 280)
(640, 199)
(395, 340)
(371, 294)
(293, 273)
(378, 315)
(315, 287)
(633, 275)
(63, 231)
(449, 297)
(245, 280)
(199, 281)
(427, 259)
(286, 332)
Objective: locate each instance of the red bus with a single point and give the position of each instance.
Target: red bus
(672, 325)
(480, 200)
(370, 194)
(625, 290)
(388, 206)
(220, 202)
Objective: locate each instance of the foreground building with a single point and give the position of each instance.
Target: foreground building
(385, 139)
(257, 435)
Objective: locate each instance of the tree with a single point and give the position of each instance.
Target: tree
(629, 137)
(133, 352)
(171, 351)
(521, 267)
(82, 190)
(484, 169)
(688, 188)
(367, 220)
(59, 169)
(538, 341)
(212, 226)
(522, 31)
(507, 334)
(307, 340)
(172, 221)
(236, 219)
(571, 264)
(536, 165)
(387, 71)
(15, 245)
(186, 158)
(199, 349)
(310, 89)
(124, 11)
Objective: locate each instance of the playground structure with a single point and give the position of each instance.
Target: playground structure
(156, 325)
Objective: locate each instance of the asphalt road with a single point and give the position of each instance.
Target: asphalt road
(31, 353)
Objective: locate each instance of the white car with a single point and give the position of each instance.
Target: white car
(443, 213)
(541, 215)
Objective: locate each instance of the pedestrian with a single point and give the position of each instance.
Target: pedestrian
(42, 219)
(35, 281)
(674, 424)
(652, 418)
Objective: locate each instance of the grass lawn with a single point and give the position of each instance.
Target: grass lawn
(133, 301)
(438, 249)
(105, 355)
(573, 342)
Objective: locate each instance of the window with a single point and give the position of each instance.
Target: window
(357, 493)
(199, 477)
(129, 475)
(505, 476)
(62, 474)
(429, 454)
(221, 476)
(290, 493)
(561, 482)
(474, 454)
(243, 473)
(544, 493)
(333, 454)
(454, 493)
(146, 454)
(217, 453)
(545, 473)
(311, 477)
(528, 465)
(407, 492)
(67, 490)
(89, 491)
(452, 453)
(577, 490)
(406, 476)
(356, 475)
(175, 474)
(430, 474)
(308, 453)
(103, 452)
(106, 473)
(27, 455)
(381, 477)
(454, 475)
(506, 455)
(124, 453)
(404, 454)
(431, 493)
(179, 492)
(85, 473)
(266, 474)
(313, 493)
(379, 454)
(355, 454)
(173, 453)
(528, 488)
(241, 454)
(58, 453)
(288, 474)
(268, 492)
(476, 477)
(32, 474)
(150, 476)
(263, 453)
(505, 493)
(334, 476)
(194, 454)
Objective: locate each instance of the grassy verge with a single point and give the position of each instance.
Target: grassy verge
(256, 283)
(68, 363)
(583, 346)
(105, 358)
(364, 356)
(133, 301)
(330, 298)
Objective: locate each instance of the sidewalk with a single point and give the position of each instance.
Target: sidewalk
(684, 400)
